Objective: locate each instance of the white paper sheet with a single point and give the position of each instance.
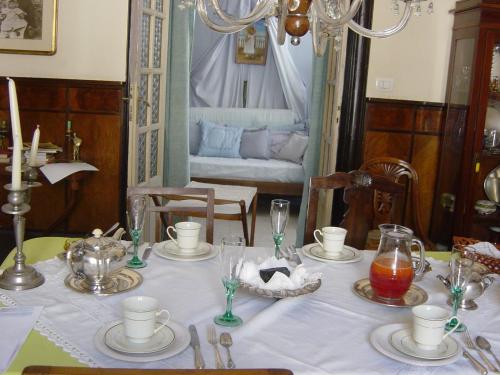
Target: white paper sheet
(15, 325)
(57, 171)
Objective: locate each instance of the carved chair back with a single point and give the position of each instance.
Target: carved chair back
(362, 214)
(161, 195)
(402, 172)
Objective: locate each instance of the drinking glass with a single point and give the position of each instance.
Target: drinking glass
(279, 216)
(136, 208)
(460, 272)
(231, 259)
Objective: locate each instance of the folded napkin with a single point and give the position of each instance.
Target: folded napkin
(299, 277)
(486, 248)
(15, 325)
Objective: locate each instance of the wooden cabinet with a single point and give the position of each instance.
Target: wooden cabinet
(464, 162)
(97, 114)
(409, 131)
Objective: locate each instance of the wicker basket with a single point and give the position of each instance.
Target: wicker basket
(492, 263)
(309, 288)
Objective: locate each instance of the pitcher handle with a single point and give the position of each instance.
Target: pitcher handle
(421, 266)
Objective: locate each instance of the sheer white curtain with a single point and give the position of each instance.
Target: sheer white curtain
(217, 81)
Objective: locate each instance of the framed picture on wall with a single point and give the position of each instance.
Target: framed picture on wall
(252, 43)
(28, 26)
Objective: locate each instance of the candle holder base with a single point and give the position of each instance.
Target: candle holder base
(21, 279)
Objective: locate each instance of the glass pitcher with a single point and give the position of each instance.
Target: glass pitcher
(391, 272)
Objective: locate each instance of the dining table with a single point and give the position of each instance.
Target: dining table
(324, 332)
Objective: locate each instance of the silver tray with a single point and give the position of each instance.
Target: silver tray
(492, 185)
(413, 297)
(309, 288)
(122, 281)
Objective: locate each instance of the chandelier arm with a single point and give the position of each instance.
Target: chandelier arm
(260, 11)
(319, 40)
(337, 22)
(386, 32)
(225, 29)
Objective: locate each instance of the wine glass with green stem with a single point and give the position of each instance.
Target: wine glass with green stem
(461, 262)
(280, 209)
(230, 259)
(136, 208)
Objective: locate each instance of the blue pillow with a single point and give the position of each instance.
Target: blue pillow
(219, 140)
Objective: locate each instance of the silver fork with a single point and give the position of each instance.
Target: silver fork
(212, 339)
(470, 344)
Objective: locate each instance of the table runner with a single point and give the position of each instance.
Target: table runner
(321, 333)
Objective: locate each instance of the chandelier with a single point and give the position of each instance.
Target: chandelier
(324, 18)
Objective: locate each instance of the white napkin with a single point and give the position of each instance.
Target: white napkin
(15, 325)
(486, 248)
(299, 277)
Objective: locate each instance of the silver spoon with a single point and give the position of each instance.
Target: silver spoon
(226, 341)
(485, 345)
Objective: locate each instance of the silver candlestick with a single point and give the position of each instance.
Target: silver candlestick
(20, 276)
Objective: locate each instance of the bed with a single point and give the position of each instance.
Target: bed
(271, 176)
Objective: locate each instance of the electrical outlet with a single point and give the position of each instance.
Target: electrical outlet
(384, 84)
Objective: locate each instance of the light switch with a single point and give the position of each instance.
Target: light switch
(384, 84)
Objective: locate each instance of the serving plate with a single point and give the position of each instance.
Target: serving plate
(413, 297)
(492, 185)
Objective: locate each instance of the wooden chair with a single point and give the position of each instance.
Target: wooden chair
(161, 196)
(402, 172)
(57, 370)
(365, 208)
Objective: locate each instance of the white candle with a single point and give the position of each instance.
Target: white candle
(16, 136)
(34, 146)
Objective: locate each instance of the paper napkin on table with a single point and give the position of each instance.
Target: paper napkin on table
(299, 277)
(486, 248)
(15, 325)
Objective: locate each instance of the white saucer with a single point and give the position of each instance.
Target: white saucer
(165, 250)
(115, 338)
(348, 255)
(172, 248)
(180, 342)
(381, 340)
(403, 341)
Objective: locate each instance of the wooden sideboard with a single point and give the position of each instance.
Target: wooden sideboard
(97, 113)
(410, 131)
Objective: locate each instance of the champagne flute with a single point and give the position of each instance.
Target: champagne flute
(460, 273)
(136, 208)
(231, 259)
(280, 209)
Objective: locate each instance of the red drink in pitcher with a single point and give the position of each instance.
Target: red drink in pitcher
(390, 278)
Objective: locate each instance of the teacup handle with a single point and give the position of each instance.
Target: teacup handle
(454, 328)
(170, 236)
(316, 238)
(163, 323)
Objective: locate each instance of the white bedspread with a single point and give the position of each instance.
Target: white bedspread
(247, 169)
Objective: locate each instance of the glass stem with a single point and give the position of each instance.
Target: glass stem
(229, 302)
(457, 297)
(135, 241)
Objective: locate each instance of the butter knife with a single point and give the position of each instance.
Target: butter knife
(478, 366)
(195, 343)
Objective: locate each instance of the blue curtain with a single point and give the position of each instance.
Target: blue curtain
(176, 165)
(311, 157)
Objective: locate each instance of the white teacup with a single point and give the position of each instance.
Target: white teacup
(188, 234)
(140, 315)
(333, 239)
(428, 325)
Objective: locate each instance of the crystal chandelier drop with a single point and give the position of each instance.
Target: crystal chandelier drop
(324, 18)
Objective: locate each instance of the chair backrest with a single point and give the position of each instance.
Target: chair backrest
(161, 196)
(362, 213)
(60, 370)
(402, 172)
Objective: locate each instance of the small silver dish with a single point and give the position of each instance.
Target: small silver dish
(285, 293)
(122, 281)
(413, 297)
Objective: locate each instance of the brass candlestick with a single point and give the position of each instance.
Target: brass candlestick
(20, 276)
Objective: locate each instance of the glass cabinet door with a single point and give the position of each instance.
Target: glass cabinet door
(492, 122)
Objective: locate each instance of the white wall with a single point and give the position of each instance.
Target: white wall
(91, 44)
(417, 58)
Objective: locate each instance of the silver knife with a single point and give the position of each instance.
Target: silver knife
(478, 366)
(195, 343)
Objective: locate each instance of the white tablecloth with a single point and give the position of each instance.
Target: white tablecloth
(326, 332)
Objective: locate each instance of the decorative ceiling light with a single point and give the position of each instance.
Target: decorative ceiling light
(324, 18)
